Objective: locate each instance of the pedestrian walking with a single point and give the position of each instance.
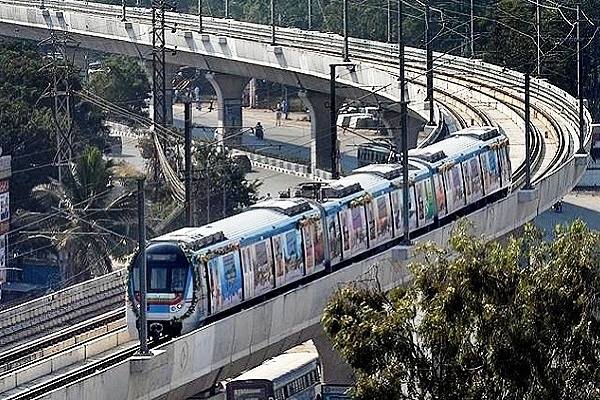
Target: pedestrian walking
(259, 131)
(285, 109)
(278, 117)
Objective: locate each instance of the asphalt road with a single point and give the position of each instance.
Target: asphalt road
(272, 182)
(584, 205)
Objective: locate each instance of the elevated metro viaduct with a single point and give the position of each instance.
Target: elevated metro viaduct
(230, 63)
(194, 362)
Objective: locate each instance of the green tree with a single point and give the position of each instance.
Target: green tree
(27, 125)
(87, 218)
(122, 82)
(480, 321)
(220, 188)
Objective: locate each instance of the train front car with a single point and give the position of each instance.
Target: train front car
(172, 291)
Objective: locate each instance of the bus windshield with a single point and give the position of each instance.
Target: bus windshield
(249, 390)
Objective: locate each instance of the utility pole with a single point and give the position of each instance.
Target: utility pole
(335, 154)
(273, 41)
(403, 128)
(199, 16)
(188, 162)
(527, 133)
(143, 350)
(537, 25)
(429, 72)
(159, 88)
(61, 94)
(345, 11)
(472, 32)
(389, 22)
(580, 84)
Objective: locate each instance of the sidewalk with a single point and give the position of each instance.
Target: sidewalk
(291, 140)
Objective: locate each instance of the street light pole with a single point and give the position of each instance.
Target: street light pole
(580, 83)
(403, 129)
(333, 123)
(143, 351)
(273, 42)
(346, 55)
(199, 16)
(188, 161)
(429, 72)
(527, 134)
(335, 155)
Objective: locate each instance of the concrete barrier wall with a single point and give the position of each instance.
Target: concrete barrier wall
(196, 361)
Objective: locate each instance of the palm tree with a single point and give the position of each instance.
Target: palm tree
(88, 217)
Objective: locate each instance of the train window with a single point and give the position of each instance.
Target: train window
(178, 276)
(157, 279)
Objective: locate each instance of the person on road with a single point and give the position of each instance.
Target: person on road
(285, 109)
(278, 115)
(259, 131)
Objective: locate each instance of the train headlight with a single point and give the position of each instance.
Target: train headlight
(176, 307)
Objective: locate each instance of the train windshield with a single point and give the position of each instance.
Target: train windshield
(166, 271)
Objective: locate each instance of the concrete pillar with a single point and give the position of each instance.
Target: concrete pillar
(391, 121)
(252, 93)
(320, 129)
(229, 90)
(335, 371)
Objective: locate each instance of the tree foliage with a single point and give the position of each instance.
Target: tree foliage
(122, 82)
(220, 188)
(480, 321)
(27, 123)
(86, 217)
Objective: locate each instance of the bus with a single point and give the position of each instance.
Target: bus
(293, 375)
(377, 152)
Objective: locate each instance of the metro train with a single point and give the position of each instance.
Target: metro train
(197, 274)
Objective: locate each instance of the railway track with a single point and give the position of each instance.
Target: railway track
(64, 308)
(491, 87)
(32, 350)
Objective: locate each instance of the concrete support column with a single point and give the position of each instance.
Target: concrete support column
(335, 371)
(229, 90)
(391, 121)
(320, 129)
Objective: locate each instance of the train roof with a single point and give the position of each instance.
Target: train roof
(457, 144)
(287, 206)
(370, 182)
(270, 214)
(193, 237)
(484, 133)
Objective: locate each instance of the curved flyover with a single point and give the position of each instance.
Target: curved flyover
(194, 362)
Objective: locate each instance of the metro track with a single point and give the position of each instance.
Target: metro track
(493, 87)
